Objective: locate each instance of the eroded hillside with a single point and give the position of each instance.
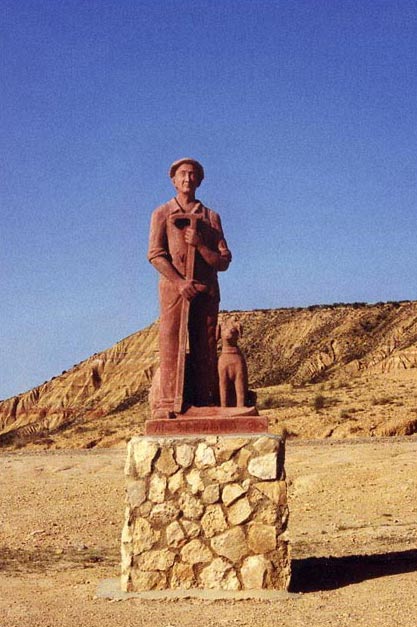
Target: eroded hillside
(103, 399)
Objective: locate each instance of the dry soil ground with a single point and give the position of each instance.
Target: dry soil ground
(353, 528)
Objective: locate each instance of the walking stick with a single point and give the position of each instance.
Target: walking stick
(184, 219)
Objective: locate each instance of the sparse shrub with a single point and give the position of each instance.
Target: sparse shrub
(340, 385)
(344, 414)
(82, 429)
(275, 402)
(385, 400)
(368, 325)
(267, 403)
(406, 427)
(107, 432)
(319, 402)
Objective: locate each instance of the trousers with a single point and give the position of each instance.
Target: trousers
(201, 379)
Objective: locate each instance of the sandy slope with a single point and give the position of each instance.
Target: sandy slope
(353, 528)
(366, 347)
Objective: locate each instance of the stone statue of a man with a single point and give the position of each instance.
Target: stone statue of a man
(188, 248)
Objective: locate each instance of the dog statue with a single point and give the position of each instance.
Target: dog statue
(233, 372)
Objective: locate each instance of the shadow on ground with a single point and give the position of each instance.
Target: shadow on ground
(46, 559)
(329, 573)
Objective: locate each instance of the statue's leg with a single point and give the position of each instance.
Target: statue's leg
(203, 350)
(223, 381)
(240, 388)
(170, 304)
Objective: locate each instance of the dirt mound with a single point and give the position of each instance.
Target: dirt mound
(101, 400)
(107, 383)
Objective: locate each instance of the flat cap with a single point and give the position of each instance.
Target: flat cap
(195, 163)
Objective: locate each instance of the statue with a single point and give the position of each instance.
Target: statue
(233, 372)
(187, 247)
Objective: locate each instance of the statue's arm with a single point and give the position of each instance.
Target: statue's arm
(218, 259)
(165, 267)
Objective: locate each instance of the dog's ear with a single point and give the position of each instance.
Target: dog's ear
(218, 332)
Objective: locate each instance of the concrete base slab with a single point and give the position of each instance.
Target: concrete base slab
(110, 589)
(210, 421)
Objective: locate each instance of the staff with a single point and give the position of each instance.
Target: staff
(190, 220)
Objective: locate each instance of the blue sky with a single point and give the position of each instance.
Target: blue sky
(303, 113)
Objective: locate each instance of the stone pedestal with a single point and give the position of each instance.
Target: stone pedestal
(205, 512)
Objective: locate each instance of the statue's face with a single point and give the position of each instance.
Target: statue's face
(186, 178)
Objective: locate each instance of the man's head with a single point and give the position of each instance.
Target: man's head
(186, 173)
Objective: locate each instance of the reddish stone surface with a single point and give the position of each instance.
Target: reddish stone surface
(219, 412)
(209, 424)
(187, 247)
(233, 372)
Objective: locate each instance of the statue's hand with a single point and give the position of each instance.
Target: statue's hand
(187, 289)
(190, 288)
(192, 237)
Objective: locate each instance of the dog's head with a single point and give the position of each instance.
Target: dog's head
(229, 331)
